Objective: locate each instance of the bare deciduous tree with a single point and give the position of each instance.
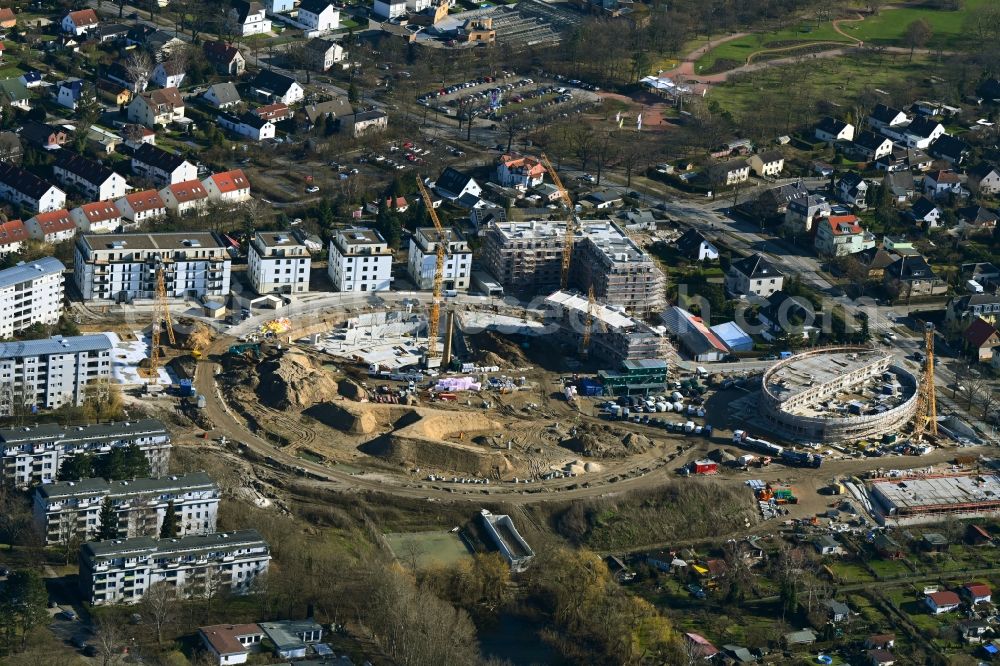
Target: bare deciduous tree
(139, 65)
(159, 607)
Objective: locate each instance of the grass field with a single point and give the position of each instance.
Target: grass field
(427, 549)
(886, 28)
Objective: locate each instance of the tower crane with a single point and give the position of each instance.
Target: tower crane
(588, 325)
(925, 420)
(435, 317)
(161, 314)
(570, 221)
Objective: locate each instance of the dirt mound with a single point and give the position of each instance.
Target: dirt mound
(351, 390)
(193, 334)
(491, 349)
(183, 366)
(338, 416)
(597, 441)
(294, 380)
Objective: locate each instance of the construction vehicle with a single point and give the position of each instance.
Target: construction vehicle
(567, 254)
(435, 316)
(161, 315)
(925, 419)
(248, 350)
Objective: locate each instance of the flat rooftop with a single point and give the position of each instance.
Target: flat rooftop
(939, 493)
(360, 237)
(191, 544)
(96, 486)
(278, 239)
(801, 373)
(164, 241)
(25, 272)
(76, 344)
(601, 313)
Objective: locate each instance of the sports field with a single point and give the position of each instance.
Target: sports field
(424, 550)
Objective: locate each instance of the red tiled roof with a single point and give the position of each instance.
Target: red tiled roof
(978, 589)
(945, 598)
(531, 165)
(844, 224)
(100, 211)
(189, 190)
(223, 637)
(7, 14)
(13, 231)
(943, 176)
(145, 200)
(83, 17)
(231, 181)
(55, 221)
(269, 111)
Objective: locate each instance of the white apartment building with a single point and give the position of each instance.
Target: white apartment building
(123, 267)
(122, 570)
(71, 509)
(33, 454)
(278, 264)
(47, 374)
(360, 260)
(422, 262)
(31, 294)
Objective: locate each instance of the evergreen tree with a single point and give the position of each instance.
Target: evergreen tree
(136, 463)
(170, 526)
(109, 522)
(77, 467)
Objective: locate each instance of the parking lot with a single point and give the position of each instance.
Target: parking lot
(515, 94)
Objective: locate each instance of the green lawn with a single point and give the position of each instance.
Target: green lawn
(886, 28)
(850, 572)
(427, 549)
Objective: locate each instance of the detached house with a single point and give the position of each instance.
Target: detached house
(767, 164)
(942, 602)
(520, 172)
(453, 185)
(185, 198)
(319, 15)
(694, 246)
(135, 82)
(7, 18)
(360, 123)
(841, 235)
(976, 217)
(939, 184)
(754, 275)
(950, 149)
(977, 593)
(968, 308)
(910, 276)
(52, 227)
(980, 338)
(47, 137)
(222, 95)
(729, 173)
(13, 234)
(73, 92)
(24, 188)
(160, 107)
(225, 58)
(832, 130)
(168, 74)
(270, 85)
(853, 190)
(925, 213)
(101, 217)
(246, 125)
(984, 178)
(921, 133)
(140, 207)
(162, 167)
(230, 187)
(804, 210)
(322, 54)
(883, 116)
(79, 22)
(276, 112)
(95, 180)
(871, 146)
(250, 18)
(15, 93)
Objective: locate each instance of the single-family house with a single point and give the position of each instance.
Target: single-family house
(222, 95)
(886, 116)
(99, 217)
(136, 135)
(322, 54)
(33, 79)
(941, 183)
(982, 272)
(700, 647)
(920, 133)
(966, 309)
(874, 260)
(110, 32)
(980, 338)
(871, 146)
(250, 18)
(925, 213)
(162, 44)
(522, 172)
(279, 6)
(768, 164)
(247, 126)
(452, 184)
(791, 317)
(801, 637)
(694, 246)
(13, 235)
(880, 658)
(805, 210)
(52, 227)
(7, 18)
(602, 199)
(185, 198)
(132, 79)
(832, 130)
(973, 631)
(73, 92)
(319, 15)
(977, 217)
(977, 593)
(837, 611)
(730, 172)
(140, 207)
(15, 93)
(231, 187)
(21, 187)
(230, 644)
(160, 166)
(113, 92)
(331, 110)
(841, 235)
(42, 135)
(880, 642)
(901, 185)
(852, 189)
(754, 275)
(270, 85)
(159, 107)
(79, 22)
(910, 276)
(276, 112)
(942, 602)
(93, 179)
(950, 149)
(984, 178)
(225, 58)
(169, 73)
(360, 123)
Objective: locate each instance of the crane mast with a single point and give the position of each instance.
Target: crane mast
(434, 323)
(925, 422)
(161, 314)
(567, 254)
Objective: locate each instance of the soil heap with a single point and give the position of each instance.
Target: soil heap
(294, 380)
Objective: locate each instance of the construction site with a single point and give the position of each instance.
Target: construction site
(932, 499)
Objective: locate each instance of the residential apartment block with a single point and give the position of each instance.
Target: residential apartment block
(278, 264)
(72, 509)
(122, 570)
(31, 294)
(360, 260)
(422, 262)
(50, 373)
(123, 267)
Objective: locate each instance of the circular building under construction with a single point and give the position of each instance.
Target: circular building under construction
(838, 394)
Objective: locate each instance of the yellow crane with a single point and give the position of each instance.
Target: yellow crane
(589, 323)
(161, 314)
(435, 317)
(925, 421)
(567, 254)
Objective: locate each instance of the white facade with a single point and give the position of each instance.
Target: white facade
(101, 217)
(52, 227)
(31, 294)
(248, 126)
(389, 9)
(167, 75)
(320, 16)
(18, 186)
(123, 267)
(73, 508)
(229, 187)
(122, 570)
(422, 262)
(185, 198)
(33, 454)
(254, 23)
(278, 264)
(360, 260)
(99, 184)
(140, 207)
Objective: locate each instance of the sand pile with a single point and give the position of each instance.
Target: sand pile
(294, 380)
(495, 350)
(597, 441)
(351, 390)
(192, 334)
